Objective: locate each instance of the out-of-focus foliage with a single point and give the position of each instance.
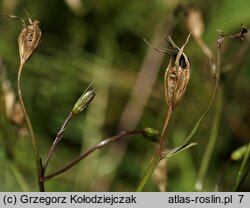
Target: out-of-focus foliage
(101, 42)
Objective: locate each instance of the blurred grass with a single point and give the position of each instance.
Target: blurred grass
(101, 43)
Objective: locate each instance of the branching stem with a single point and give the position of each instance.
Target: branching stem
(33, 139)
(89, 151)
(158, 153)
(57, 140)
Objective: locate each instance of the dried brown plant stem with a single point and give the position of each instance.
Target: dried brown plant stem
(169, 114)
(206, 50)
(33, 139)
(79, 106)
(100, 145)
(204, 47)
(57, 140)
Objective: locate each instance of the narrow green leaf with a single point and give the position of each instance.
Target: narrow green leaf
(178, 149)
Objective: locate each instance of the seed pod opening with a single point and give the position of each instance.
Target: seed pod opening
(177, 74)
(28, 40)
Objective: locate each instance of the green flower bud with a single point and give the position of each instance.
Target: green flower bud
(84, 100)
(151, 134)
(239, 153)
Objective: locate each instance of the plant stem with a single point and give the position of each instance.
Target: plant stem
(33, 139)
(243, 178)
(211, 143)
(213, 135)
(57, 140)
(169, 114)
(204, 48)
(210, 102)
(157, 156)
(151, 168)
(89, 151)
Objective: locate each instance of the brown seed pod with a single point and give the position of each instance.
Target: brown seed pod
(29, 38)
(177, 74)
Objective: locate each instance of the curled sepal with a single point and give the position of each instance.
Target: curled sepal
(177, 74)
(84, 100)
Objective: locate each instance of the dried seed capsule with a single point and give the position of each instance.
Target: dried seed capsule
(177, 73)
(28, 40)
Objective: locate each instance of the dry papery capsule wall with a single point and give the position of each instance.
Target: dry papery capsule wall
(102, 43)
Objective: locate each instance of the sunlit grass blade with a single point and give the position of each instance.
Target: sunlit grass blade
(244, 170)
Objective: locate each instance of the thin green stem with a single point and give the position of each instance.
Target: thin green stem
(211, 143)
(151, 168)
(244, 176)
(213, 135)
(89, 151)
(242, 168)
(33, 139)
(210, 102)
(157, 156)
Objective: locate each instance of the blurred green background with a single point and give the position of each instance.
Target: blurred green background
(101, 42)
